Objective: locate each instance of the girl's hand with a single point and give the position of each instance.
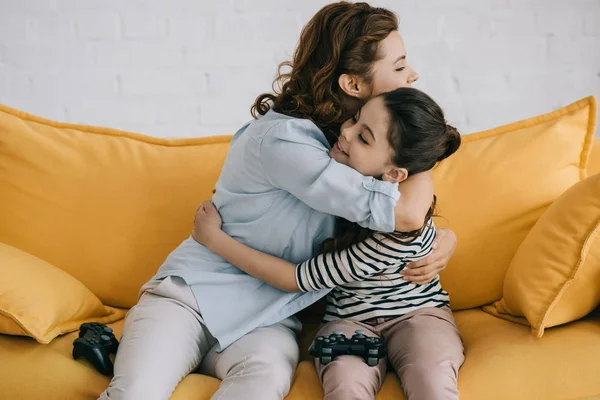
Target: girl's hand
(424, 270)
(207, 222)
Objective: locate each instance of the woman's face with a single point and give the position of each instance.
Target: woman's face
(392, 70)
(363, 142)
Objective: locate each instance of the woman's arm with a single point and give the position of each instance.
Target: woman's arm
(294, 156)
(427, 268)
(413, 205)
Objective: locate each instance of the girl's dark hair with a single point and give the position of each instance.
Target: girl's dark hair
(420, 138)
(342, 38)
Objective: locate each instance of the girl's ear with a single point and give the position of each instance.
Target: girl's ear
(353, 86)
(395, 175)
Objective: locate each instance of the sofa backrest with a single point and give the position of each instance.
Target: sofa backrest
(594, 165)
(498, 184)
(108, 206)
(103, 205)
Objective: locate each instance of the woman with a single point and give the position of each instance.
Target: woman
(278, 192)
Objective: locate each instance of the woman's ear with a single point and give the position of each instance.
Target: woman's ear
(352, 85)
(395, 175)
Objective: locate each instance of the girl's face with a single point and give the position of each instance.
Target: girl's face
(391, 71)
(364, 145)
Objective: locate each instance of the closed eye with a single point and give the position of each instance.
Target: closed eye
(400, 69)
(362, 139)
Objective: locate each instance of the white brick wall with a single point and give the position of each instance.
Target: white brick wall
(193, 67)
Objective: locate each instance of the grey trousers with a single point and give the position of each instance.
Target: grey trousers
(424, 348)
(164, 339)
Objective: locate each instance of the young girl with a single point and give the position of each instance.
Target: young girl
(394, 135)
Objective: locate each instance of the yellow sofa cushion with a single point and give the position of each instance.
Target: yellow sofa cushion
(105, 206)
(494, 189)
(42, 301)
(594, 165)
(554, 277)
(503, 361)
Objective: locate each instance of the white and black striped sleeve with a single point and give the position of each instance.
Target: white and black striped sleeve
(361, 261)
(330, 270)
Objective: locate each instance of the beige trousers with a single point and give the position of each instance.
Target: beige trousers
(164, 339)
(424, 348)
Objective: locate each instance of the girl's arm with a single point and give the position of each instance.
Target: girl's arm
(294, 156)
(325, 271)
(270, 269)
(363, 260)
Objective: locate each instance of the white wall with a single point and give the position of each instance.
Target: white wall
(193, 67)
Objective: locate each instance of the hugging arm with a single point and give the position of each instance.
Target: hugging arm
(296, 160)
(324, 271)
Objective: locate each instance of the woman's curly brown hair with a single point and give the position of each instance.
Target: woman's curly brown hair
(342, 38)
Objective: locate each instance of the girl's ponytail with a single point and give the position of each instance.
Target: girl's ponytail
(452, 142)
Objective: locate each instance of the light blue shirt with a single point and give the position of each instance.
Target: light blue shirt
(278, 192)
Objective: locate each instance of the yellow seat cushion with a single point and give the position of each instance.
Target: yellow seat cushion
(41, 301)
(503, 361)
(105, 206)
(498, 184)
(555, 276)
(31, 371)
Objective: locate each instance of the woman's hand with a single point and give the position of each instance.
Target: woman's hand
(424, 270)
(207, 221)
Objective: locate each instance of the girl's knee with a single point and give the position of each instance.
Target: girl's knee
(350, 379)
(431, 381)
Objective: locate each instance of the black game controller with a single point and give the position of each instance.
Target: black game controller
(326, 348)
(95, 343)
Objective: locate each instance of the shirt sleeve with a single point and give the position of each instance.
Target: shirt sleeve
(362, 260)
(296, 159)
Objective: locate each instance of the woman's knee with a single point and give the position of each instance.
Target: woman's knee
(133, 388)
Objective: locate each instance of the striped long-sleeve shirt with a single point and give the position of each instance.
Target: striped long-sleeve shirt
(366, 278)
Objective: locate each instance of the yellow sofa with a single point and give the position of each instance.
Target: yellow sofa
(105, 207)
